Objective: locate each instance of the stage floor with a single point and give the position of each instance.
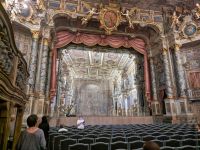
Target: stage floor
(99, 120)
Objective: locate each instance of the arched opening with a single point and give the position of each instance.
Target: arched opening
(65, 37)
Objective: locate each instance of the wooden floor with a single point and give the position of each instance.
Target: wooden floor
(98, 120)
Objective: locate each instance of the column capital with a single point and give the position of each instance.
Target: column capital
(177, 47)
(35, 34)
(164, 51)
(46, 41)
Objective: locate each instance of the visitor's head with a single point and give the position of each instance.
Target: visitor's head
(32, 120)
(150, 145)
(61, 126)
(44, 119)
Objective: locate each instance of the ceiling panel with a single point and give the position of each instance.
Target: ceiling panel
(92, 64)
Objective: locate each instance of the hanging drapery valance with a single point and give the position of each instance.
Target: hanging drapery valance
(64, 38)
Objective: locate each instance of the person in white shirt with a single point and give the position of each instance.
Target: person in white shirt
(62, 129)
(80, 123)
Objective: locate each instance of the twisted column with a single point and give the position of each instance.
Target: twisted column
(169, 83)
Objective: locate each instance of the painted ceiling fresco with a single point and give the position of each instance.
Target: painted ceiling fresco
(97, 65)
(142, 4)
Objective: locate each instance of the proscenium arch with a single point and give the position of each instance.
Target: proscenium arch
(65, 37)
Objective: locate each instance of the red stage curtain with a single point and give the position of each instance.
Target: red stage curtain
(65, 37)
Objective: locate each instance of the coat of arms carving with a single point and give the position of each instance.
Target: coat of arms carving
(110, 19)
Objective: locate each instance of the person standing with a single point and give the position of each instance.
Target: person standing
(32, 138)
(80, 123)
(44, 125)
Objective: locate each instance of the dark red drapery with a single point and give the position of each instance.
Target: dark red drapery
(65, 37)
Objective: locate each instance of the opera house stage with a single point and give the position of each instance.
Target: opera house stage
(105, 120)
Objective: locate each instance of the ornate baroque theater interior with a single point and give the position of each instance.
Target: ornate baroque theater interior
(123, 65)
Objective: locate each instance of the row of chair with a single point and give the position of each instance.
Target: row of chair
(156, 127)
(131, 138)
(141, 136)
(63, 142)
(120, 145)
(131, 135)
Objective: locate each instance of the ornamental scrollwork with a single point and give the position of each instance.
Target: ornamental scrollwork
(25, 11)
(186, 24)
(6, 55)
(21, 79)
(110, 19)
(89, 16)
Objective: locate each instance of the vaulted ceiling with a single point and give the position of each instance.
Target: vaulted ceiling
(142, 4)
(96, 64)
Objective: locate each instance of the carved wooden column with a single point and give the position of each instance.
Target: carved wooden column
(33, 61)
(33, 69)
(181, 102)
(48, 80)
(39, 60)
(169, 83)
(155, 98)
(155, 106)
(170, 89)
(43, 73)
(18, 125)
(180, 72)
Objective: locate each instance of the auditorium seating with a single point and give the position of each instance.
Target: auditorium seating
(99, 146)
(129, 137)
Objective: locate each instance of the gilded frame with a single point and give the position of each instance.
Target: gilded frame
(102, 16)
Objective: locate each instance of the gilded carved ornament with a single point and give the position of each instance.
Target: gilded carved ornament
(109, 16)
(132, 16)
(164, 51)
(110, 19)
(26, 11)
(177, 47)
(89, 16)
(186, 25)
(46, 41)
(35, 34)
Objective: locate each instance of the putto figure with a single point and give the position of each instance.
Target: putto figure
(89, 16)
(127, 15)
(175, 21)
(197, 12)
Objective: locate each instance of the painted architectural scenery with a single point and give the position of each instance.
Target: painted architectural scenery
(116, 66)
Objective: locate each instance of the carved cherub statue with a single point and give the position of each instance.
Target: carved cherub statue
(197, 12)
(40, 5)
(128, 14)
(175, 20)
(91, 12)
